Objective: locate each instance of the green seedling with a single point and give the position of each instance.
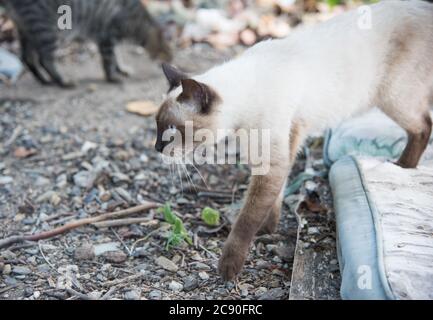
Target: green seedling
(178, 232)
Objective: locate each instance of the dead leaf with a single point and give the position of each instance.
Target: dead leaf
(22, 152)
(143, 108)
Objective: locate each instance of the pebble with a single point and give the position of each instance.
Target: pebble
(273, 294)
(155, 295)
(10, 281)
(203, 275)
(262, 264)
(102, 248)
(28, 291)
(6, 180)
(200, 266)
(62, 181)
(175, 286)
(82, 179)
(260, 291)
(118, 177)
(190, 283)
(21, 270)
(36, 294)
(125, 195)
(132, 295)
(286, 253)
(7, 269)
(42, 181)
(8, 255)
(85, 252)
(166, 264)
(115, 256)
(313, 230)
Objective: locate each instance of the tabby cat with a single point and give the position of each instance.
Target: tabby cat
(105, 22)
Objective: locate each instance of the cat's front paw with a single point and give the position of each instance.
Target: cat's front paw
(231, 261)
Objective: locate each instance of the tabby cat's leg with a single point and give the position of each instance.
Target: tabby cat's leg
(109, 62)
(46, 59)
(29, 55)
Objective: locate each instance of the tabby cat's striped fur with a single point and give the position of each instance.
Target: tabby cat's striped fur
(105, 22)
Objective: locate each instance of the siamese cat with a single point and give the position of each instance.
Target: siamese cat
(317, 77)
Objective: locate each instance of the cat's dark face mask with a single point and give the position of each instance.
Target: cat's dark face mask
(192, 109)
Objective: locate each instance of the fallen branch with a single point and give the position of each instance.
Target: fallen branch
(120, 222)
(76, 224)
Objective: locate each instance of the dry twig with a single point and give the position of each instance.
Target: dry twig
(76, 224)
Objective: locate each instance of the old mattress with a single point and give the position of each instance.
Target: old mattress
(384, 213)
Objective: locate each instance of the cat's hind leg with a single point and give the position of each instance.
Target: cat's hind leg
(418, 125)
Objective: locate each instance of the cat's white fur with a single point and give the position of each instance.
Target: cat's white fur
(324, 74)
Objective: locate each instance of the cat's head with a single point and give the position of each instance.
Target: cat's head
(190, 105)
(157, 45)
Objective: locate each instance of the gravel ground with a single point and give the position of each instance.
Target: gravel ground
(67, 154)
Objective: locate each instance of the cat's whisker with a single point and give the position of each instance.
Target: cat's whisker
(201, 176)
(189, 177)
(180, 177)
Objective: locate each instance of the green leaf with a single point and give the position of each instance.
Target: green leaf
(178, 231)
(210, 216)
(169, 216)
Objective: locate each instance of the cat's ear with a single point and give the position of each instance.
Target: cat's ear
(202, 96)
(173, 75)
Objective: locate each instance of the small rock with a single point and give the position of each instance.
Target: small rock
(28, 291)
(203, 275)
(175, 286)
(166, 264)
(87, 146)
(82, 179)
(125, 195)
(260, 291)
(8, 255)
(6, 180)
(200, 266)
(36, 294)
(262, 264)
(118, 177)
(7, 269)
(21, 270)
(62, 181)
(42, 181)
(190, 283)
(102, 248)
(155, 295)
(10, 281)
(132, 295)
(274, 294)
(286, 253)
(115, 256)
(313, 230)
(85, 252)
(105, 196)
